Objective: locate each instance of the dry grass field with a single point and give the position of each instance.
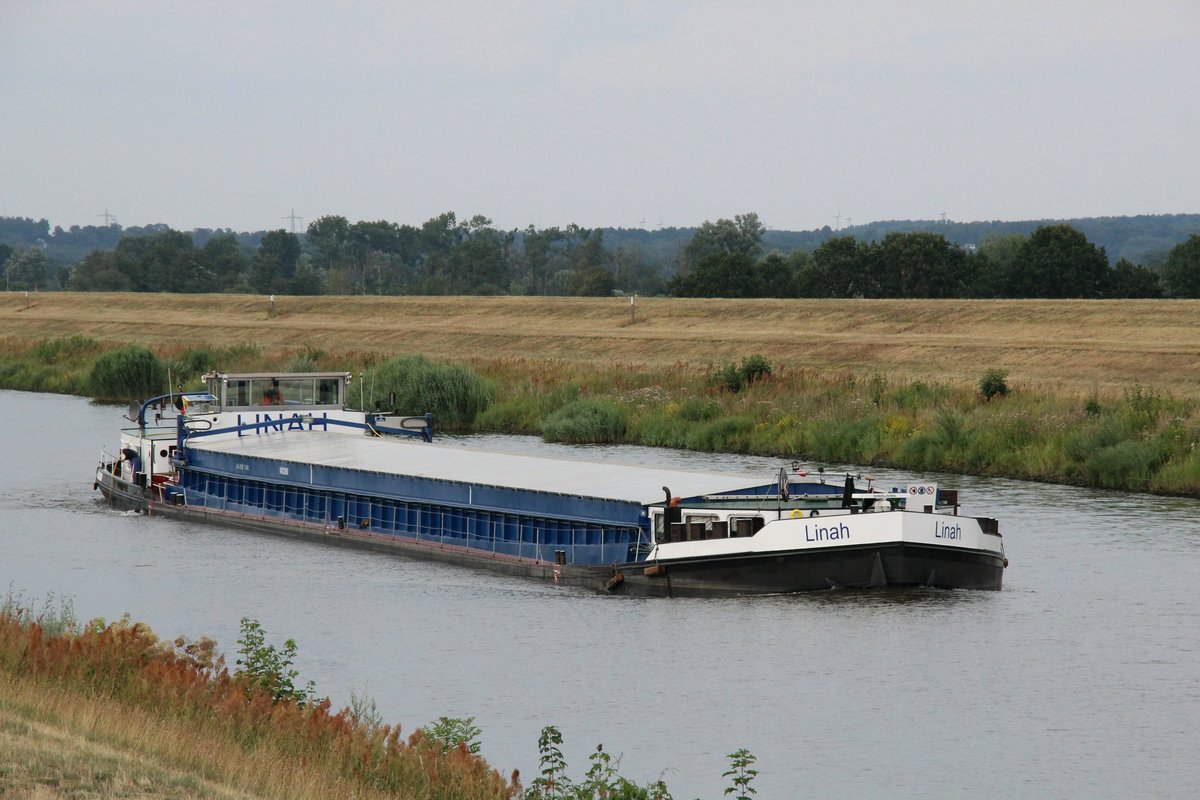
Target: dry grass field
(1073, 346)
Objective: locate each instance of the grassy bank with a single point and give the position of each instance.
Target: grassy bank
(1101, 393)
(110, 710)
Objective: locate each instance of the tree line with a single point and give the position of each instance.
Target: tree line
(726, 258)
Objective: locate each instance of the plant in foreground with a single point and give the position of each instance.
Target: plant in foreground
(601, 782)
(741, 773)
(268, 668)
(452, 732)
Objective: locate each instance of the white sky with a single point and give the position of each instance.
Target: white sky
(231, 114)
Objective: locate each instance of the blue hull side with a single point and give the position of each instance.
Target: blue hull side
(496, 521)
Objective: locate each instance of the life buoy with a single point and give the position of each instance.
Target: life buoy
(797, 513)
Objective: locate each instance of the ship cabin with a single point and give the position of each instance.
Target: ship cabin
(745, 512)
(262, 390)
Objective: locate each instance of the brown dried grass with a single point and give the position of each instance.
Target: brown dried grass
(1059, 346)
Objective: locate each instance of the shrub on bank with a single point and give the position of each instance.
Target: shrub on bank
(454, 394)
(591, 421)
(736, 377)
(133, 373)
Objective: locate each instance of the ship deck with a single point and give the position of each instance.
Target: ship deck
(405, 457)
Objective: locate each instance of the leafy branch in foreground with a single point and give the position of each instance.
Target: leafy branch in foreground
(452, 732)
(601, 782)
(741, 773)
(268, 668)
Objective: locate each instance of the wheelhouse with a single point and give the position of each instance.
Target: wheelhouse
(264, 389)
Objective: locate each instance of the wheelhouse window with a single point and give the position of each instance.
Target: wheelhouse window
(253, 391)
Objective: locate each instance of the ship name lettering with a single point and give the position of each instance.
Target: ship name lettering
(826, 533)
(941, 530)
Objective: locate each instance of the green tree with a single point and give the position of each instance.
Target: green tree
(476, 266)
(742, 235)
(633, 274)
(284, 247)
(1128, 280)
(1181, 271)
(266, 274)
(441, 234)
(1058, 261)
(719, 275)
(6, 253)
(777, 275)
(225, 261)
(592, 281)
(98, 272)
(993, 264)
(839, 269)
(328, 236)
(27, 270)
(544, 255)
(918, 265)
(161, 260)
(309, 280)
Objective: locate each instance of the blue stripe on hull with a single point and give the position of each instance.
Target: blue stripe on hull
(457, 515)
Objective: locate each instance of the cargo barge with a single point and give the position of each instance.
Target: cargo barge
(307, 466)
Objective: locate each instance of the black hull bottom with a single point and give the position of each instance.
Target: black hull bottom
(869, 567)
(896, 565)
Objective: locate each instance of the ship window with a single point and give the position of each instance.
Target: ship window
(237, 394)
(297, 390)
(745, 526)
(327, 391)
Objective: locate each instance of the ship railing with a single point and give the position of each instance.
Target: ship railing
(415, 426)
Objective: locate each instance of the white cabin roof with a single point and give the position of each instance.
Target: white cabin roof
(631, 483)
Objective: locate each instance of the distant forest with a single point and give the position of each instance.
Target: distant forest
(1141, 256)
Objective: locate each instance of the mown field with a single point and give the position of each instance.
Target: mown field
(1078, 346)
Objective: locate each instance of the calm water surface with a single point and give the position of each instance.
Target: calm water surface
(1080, 679)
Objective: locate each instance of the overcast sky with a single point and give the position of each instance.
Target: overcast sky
(627, 114)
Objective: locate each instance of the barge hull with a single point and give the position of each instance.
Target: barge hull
(118, 493)
(896, 564)
(590, 576)
(878, 566)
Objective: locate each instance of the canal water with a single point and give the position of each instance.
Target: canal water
(1080, 679)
